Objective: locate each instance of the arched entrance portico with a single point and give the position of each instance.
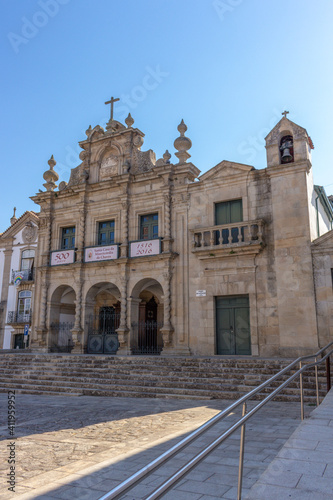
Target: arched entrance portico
(102, 318)
(62, 319)
(146, 317)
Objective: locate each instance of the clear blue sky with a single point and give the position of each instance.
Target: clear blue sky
(228, 67)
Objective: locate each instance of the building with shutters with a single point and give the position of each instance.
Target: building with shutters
(17, 280)
(144, 256)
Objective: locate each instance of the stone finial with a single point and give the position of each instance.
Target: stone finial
(129, 121)
(88, 131)
(50, 176)
(167, 156)
(14, 218)
(182, 143)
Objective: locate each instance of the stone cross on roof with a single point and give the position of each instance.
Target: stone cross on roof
(285, 113)
(112, 100)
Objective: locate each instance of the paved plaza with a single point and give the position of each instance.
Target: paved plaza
(80, 447)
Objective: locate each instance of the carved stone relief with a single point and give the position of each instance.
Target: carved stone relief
(29, 233)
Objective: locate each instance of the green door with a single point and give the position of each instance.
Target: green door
(233, 326)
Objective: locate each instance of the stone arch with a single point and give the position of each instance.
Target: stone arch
(62, 318)
(110, 161)
(146, 312)
(102, 308)
(286, 146)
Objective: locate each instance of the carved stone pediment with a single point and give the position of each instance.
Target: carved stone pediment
(96, 133)
(226, 169)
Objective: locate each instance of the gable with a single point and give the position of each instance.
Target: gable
(283, 127)
(226, 169)
(20, 224)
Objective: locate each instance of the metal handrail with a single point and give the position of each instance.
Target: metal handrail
(129, 483)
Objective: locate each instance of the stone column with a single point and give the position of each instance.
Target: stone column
(39, 334)
(167, 329)
(77, 329)
(167, 223)
(81, 235)
(4, 292)
(124, 216)
(122, 331)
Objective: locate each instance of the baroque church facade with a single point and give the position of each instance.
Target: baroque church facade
(143, 256)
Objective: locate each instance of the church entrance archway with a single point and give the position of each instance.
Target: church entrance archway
(102, 318)
(62, 319)
(147, 318)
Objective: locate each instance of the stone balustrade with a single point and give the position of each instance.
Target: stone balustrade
(228, 236)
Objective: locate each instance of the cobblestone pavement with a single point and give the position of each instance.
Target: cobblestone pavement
(80, 447)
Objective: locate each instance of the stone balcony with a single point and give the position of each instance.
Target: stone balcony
(228, 239)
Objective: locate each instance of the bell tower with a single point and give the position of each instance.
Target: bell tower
(289, 169)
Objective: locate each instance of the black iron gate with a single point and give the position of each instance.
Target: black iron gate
(61, 336)
(147, 333)
(102, 335)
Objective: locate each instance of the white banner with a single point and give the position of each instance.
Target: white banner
(62, 257)
(148, 247)
(95, 254)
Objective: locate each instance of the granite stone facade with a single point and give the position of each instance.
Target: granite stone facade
(143, 256)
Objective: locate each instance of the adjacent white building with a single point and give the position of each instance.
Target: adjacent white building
(17, 280)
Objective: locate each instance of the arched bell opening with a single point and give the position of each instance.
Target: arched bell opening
(62, 319)
(287, 149)
(102, 319)
(147, 313)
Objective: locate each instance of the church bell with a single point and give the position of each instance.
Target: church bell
(285, 148)
(286, 156)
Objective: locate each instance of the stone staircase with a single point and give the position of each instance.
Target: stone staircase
(148, 376)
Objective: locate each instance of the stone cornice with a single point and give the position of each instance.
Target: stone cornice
(289, 168)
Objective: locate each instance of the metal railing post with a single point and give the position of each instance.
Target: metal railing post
(118, 491)
(328, 374)
(241, 456)
(317, 386)
(301, 389)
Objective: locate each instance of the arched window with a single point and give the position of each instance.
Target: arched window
(287, 149)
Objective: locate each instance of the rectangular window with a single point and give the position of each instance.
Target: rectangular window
(27, 259)
(106, 233)
(228, 212)
(68, 238)
(149, 227)
(24, 306)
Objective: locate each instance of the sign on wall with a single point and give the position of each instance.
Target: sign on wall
(62, 257)
(200, 293)
(96, 254)
(147, 247)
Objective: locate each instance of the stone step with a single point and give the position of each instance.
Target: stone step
(147, 376)
(199, 390)
(199, 382)
(154, 362)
